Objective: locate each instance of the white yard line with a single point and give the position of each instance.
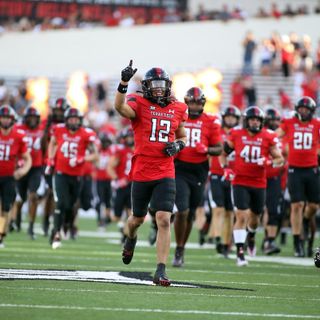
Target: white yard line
(160, 293)
(162, 311)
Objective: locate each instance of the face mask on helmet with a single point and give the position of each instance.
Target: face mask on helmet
(105, 140)
(253, 113)
(230, 117)
(195, 99)
(73, 119)
(7, 117)
(305, 108)
(32, 122)
(58, 110)
(273, 119)
(156, 86)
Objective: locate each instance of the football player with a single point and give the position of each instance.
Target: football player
(302, 132)
(252, 145)
(220, 182)
(192, 166)
(13, 146)
(67, 155)
(31, 181)
(157, 120)
(56, 116)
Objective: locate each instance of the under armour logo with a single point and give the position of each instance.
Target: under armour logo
(152, 108)
(171, 111)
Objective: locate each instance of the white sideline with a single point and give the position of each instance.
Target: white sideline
(196, 312)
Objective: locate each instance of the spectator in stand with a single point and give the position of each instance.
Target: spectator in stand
(202, 14)
(224, 15)
(237, 93)
(4, 94)
(266, 53)
(275, 12)
(249, 46)
(250, 91)
(289, 11)
(285, 100)
(262, 13)
(286, 56)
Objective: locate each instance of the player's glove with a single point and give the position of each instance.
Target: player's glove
(76, 161)
(201, 148)
(172, 148)
(128, 72)
(228, 174)
(48, 171)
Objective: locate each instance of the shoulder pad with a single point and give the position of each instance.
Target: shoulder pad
(88, 130)
(21, 131)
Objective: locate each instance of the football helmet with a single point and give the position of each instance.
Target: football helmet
(58, 110)
(317, 258)
(31, 117)
(156, 86)
(73, 113)
(231, 111)
(105, 139)
(195, 96)
(7, 111)
(253, 113)
(272, 118)
(126, 137)
(309, 104)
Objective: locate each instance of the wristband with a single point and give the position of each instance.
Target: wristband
(181, 144)
(122, 88)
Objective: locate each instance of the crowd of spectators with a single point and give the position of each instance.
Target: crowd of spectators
(79, 18)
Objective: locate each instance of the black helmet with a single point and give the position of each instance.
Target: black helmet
(272, 115)
(308, 103)
(105, 139)
(231, 111)
(58, 110)
(124, 135)
(27, 114)
(195, 95)
(73, 113)
(253, 112)
(8, 112)
(157, 78)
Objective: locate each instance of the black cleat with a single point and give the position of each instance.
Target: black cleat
(219, 248)
(128, 250)
(299, 250)
(178, 259)
(161, 279)
(271, 248)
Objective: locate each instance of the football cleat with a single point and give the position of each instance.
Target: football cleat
(317, 258)
(241, 261)
(178, 259)
(251, 248)
(270, 248)
(128, 250)
(160, 279)
(299, 250)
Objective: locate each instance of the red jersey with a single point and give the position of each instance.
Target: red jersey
(215, 166)
(71, 145)
(206, 130)
(249, 150)
(101, 166)
(12, 146)
(303, 139)
(153, 127)
(271, 171)
(33, 138)
(124, 155)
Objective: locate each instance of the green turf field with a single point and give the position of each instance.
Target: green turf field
(207, 287)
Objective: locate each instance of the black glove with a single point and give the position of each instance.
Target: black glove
(172, 148)
(128, 72)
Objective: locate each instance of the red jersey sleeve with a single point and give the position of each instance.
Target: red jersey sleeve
(132, 102)
(23, 145)
(215, 133)
(284, 125)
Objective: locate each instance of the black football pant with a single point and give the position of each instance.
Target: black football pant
(66, 190)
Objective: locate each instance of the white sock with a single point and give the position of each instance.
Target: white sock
(239, 235)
